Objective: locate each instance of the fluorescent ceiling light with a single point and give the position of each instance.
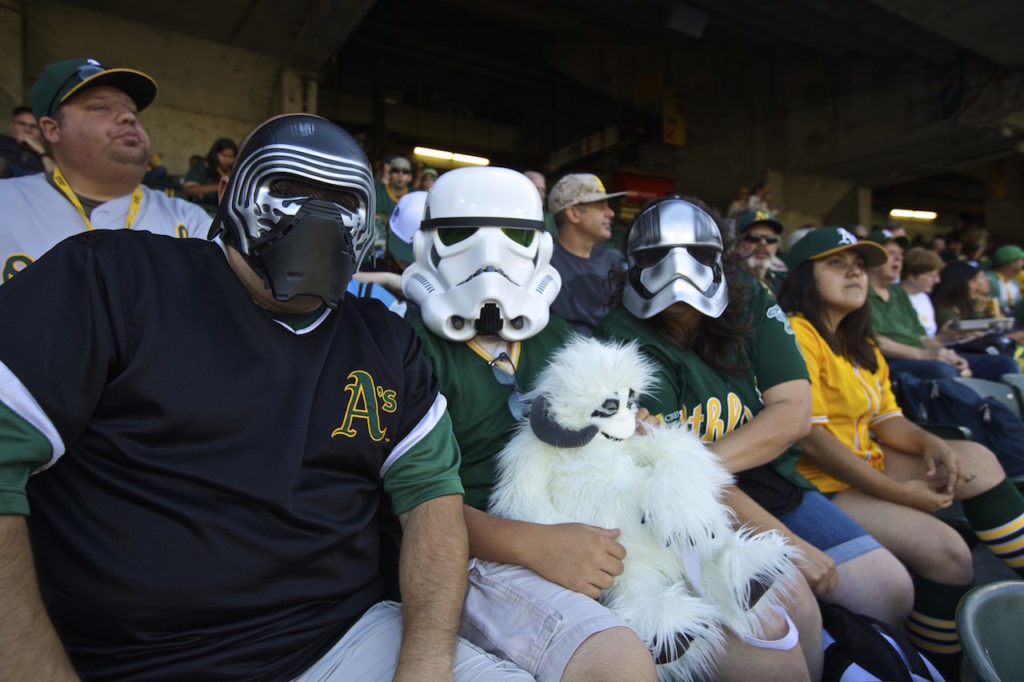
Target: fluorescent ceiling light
(451, 156)
(913, 215)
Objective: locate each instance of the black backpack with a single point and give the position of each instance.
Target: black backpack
(945, 401)
(859, 648)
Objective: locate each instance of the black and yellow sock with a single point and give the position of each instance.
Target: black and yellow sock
(931, 625)
(997, 517)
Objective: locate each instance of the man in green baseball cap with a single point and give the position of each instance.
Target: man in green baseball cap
(758, 245)
(1004, 278)
(88, 114)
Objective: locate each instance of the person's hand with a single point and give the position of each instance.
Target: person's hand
(944, 354)
(30, 142)
(922, 495)
(645, 420)
(818, 568)
(579, 557)
(943, 468)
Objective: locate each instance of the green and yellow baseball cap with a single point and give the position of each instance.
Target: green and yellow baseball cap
(64, 79)
(828, 240)
(747, 220)
(884, 235)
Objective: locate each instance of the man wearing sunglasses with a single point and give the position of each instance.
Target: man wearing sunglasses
(389, 191)
(482, 285)
(89, 115)
(758, 245)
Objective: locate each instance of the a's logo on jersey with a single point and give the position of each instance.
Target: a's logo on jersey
(366, 401)
(15, 264)
(775, 313)
(712, 420)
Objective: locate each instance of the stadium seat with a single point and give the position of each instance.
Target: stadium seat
(990, 620)
(1016, 382)
(992, 389)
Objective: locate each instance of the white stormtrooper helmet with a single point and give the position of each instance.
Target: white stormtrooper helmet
(482, 257)
(674, 249)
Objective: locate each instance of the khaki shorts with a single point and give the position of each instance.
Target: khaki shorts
(368, 652)
(512, 612)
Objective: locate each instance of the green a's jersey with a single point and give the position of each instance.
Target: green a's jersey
(478, 403)
(712, 402)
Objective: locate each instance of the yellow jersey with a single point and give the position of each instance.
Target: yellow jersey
(846, 399)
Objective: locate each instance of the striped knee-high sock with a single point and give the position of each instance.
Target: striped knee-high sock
(997, 517)
(931, 626)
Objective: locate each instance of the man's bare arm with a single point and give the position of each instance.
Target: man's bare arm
(29, 646)
(432, 574)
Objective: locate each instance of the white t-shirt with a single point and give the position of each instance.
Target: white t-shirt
(922, 303)
(34, 216)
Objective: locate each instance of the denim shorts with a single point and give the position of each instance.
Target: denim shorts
(827, 527)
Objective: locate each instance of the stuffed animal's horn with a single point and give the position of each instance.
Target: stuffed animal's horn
(551, 432)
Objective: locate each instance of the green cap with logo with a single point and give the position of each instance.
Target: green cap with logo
(885, 235)
(759, 217)
(1007, 254)
(61, 80)
(826, 241)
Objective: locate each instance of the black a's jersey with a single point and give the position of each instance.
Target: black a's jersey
(213, 514)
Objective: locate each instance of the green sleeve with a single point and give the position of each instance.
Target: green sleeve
(428, 469)
(196, 174)
(776, 356)
(23, 448)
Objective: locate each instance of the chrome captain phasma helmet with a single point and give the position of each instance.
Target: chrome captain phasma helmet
(299, 207)
(674, 251)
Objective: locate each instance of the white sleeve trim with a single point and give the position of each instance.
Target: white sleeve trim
(819, 420)
(16, 396)
(885, 417)
(425, 425)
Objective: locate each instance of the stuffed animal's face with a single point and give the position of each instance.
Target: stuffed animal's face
(615, 417)
(590, 389)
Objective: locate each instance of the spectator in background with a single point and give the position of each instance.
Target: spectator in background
(760, 199)
(538, 180)
(1007, 263)
(938, 245)
(89, 115)
(427, 178)
(920, 275)
(963, 294)
(900, 335)
(579, 203)
(739, 204)
(975, 245)
(202, 180)
(757, 246)
(399, 177)
(25, 150)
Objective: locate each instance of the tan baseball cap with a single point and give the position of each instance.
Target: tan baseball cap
(577, 188)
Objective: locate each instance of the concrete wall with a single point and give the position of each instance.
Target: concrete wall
(207, 90)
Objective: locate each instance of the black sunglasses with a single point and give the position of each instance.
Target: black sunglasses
(515, 401)
(757, 238)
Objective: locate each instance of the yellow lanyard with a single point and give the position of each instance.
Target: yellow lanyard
(63, 186)
(513, 354)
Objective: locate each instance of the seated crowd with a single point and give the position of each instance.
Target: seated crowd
(224, 459)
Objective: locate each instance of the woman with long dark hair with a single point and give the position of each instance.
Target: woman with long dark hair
(729, 367)
(202, 179)
(889, 486)
(962, 293)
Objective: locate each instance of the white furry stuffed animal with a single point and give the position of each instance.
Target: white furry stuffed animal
(688, 573)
